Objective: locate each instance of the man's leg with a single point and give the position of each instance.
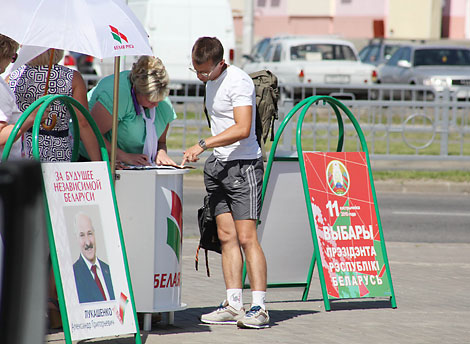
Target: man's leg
(232, 264)
(232, 260)
(232, 235)
(257, 316)
(255, 260)
(232, 309)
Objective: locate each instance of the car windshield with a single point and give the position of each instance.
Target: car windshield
(442, 57)
(389, 50)
(318, 52)
(261, 47)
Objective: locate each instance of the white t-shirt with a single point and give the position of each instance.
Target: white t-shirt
(9, 113)
(231, 89)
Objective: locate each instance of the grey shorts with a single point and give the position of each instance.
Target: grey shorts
(234, 187)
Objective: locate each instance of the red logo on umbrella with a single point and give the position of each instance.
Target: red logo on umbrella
(118, 36)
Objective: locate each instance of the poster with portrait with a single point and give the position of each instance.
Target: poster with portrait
(347, 231)
(89, 251)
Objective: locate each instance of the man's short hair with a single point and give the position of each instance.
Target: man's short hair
(207, 49)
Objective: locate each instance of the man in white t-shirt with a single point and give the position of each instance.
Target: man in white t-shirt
(233, 176)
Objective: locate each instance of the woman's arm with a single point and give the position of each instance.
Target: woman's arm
(162, 153)
(86, 133)
(6, 129)
(104, 121)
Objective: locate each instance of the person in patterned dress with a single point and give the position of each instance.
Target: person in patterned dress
(9, 112)
(29, 83)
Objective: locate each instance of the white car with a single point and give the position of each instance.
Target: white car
(313, 60)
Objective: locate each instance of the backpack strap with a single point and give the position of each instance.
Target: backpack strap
(272, 130)
(207, 265)
(196, 261)
(205, 110)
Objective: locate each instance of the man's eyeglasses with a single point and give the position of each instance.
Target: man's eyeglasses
(14, 57)
(204, 74)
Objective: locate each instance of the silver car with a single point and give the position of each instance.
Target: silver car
(438, 66)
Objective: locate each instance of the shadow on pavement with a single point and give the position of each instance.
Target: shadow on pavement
(188, 320)
(278, 316)
(359, 304)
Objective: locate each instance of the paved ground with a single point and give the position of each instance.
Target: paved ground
(434, 186)
(431, 286)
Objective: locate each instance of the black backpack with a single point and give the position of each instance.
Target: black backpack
(209, 239)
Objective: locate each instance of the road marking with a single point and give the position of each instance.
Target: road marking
(425, 213)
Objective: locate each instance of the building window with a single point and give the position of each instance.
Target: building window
(261, 3)
(275, 3)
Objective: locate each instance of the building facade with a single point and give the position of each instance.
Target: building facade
(358, 19)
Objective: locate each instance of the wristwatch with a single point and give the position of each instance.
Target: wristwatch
(202, 144)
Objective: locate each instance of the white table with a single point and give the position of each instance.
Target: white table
(150, 207)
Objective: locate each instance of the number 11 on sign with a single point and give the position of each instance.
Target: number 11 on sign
(333, 207)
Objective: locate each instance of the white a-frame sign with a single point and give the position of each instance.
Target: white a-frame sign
(85, 237)
(86, 234)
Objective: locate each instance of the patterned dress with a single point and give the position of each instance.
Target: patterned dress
(28, 84)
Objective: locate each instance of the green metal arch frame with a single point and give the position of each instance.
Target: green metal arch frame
(43, 103)
(70, 103)
(336, 105)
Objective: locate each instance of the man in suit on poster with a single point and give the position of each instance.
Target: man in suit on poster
(92, 275)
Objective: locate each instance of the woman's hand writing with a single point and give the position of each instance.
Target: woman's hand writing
(134, 159)
(163, 158)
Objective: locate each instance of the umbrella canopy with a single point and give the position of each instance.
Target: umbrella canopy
(100, 28)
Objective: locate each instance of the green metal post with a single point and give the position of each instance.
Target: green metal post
(44, 102)
(336, 105)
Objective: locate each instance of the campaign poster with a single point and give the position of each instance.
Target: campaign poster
(347, 231)
(168, 250)
(89, 250)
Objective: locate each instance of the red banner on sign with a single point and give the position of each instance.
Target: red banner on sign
(346, 224)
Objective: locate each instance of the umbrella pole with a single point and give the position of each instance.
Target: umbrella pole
(51, 58)
(117, 61)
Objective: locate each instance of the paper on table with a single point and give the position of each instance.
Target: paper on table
(155, 167)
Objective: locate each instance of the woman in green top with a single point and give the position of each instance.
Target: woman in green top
(144, 113)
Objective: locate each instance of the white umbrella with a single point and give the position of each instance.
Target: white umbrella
(100, 28)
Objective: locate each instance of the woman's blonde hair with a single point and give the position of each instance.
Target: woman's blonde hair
(43, 59)
(8, 47)
(149, 77)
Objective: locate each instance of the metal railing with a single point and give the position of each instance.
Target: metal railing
(399, 122)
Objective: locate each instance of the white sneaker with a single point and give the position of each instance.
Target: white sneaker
(256, 317)
(225, 314)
